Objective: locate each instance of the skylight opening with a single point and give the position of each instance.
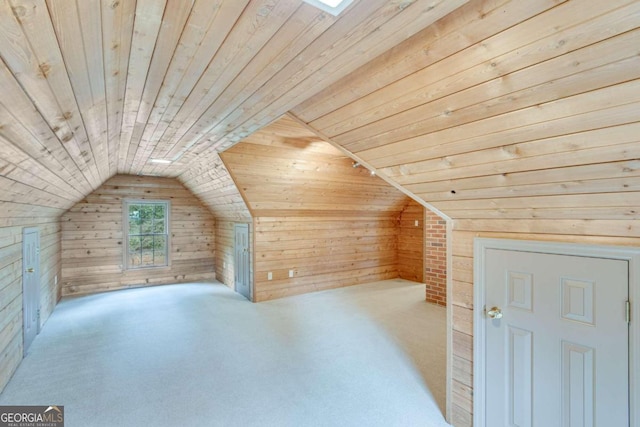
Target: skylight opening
(334, 7)
(161, 161)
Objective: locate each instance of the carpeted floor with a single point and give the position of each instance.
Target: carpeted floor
(202, 355)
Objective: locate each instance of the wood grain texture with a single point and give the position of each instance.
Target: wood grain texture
(288, 170)
(515, 121)
(11, 322)
(210, 181)
(314, 213)
(511, 117)
(93, 240)
(323, 252)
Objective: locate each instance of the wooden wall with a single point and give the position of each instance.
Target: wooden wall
(509, 117)
(411, 243)
(287, 170)
(210, 181)
(11, 323)
(92, 237)
(313, 212)
(324, 252)
(225, 272)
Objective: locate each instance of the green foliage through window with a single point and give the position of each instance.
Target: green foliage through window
(147, 234)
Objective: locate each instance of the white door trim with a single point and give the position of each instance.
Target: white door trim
(630, 254)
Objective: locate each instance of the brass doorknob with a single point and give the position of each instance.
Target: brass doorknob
(495, 313)
(30, 270)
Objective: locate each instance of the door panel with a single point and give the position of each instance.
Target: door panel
(559, 353)
(30, 284)
(241, 260)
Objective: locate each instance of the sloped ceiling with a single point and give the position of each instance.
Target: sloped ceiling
(92, 88)
(501, 109)
(285, 170)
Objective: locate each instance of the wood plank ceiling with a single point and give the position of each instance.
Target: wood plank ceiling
(285, 170)
(98, 87)
(503, 110)
(487, 109)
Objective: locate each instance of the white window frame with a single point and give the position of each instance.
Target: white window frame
(125, 228)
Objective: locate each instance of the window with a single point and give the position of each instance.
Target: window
(147, 233)
(334, 7)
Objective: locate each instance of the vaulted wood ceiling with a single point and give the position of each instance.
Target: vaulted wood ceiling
(483, 108)
(97, 87)
(285, 170)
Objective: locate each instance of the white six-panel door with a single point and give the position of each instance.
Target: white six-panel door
(556, 349)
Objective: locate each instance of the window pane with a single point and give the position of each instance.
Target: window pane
(134, 257)
(147, 235)
(146, 226)
(160, 250)
(158, 226)
(147, 258)
(159, 211)
(134, 219)
(146, 211)
(159, 219)
(146, 243)
(134, 244)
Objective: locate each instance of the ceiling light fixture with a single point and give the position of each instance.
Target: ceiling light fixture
(334, 7)
(161, 161)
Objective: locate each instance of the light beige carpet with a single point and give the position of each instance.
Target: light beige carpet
(199, 354)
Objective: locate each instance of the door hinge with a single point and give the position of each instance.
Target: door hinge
(628, 311)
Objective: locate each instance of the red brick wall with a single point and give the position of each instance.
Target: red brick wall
(435, 239)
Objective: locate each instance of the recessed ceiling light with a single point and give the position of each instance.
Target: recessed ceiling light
(161, 161)
(334, 7)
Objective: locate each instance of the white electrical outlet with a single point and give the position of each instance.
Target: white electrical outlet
(417, 223)
(269, 276)
(290, 273)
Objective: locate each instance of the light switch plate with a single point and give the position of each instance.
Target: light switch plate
(269, 276)
(290, 273)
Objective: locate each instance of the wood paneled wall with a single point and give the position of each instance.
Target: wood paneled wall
(210, 181)
(333, 224)
(509, 117)
(411, 243)
(225, 256)
(11, 322)
(324, 252)
(92, 237)
(287, 170)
